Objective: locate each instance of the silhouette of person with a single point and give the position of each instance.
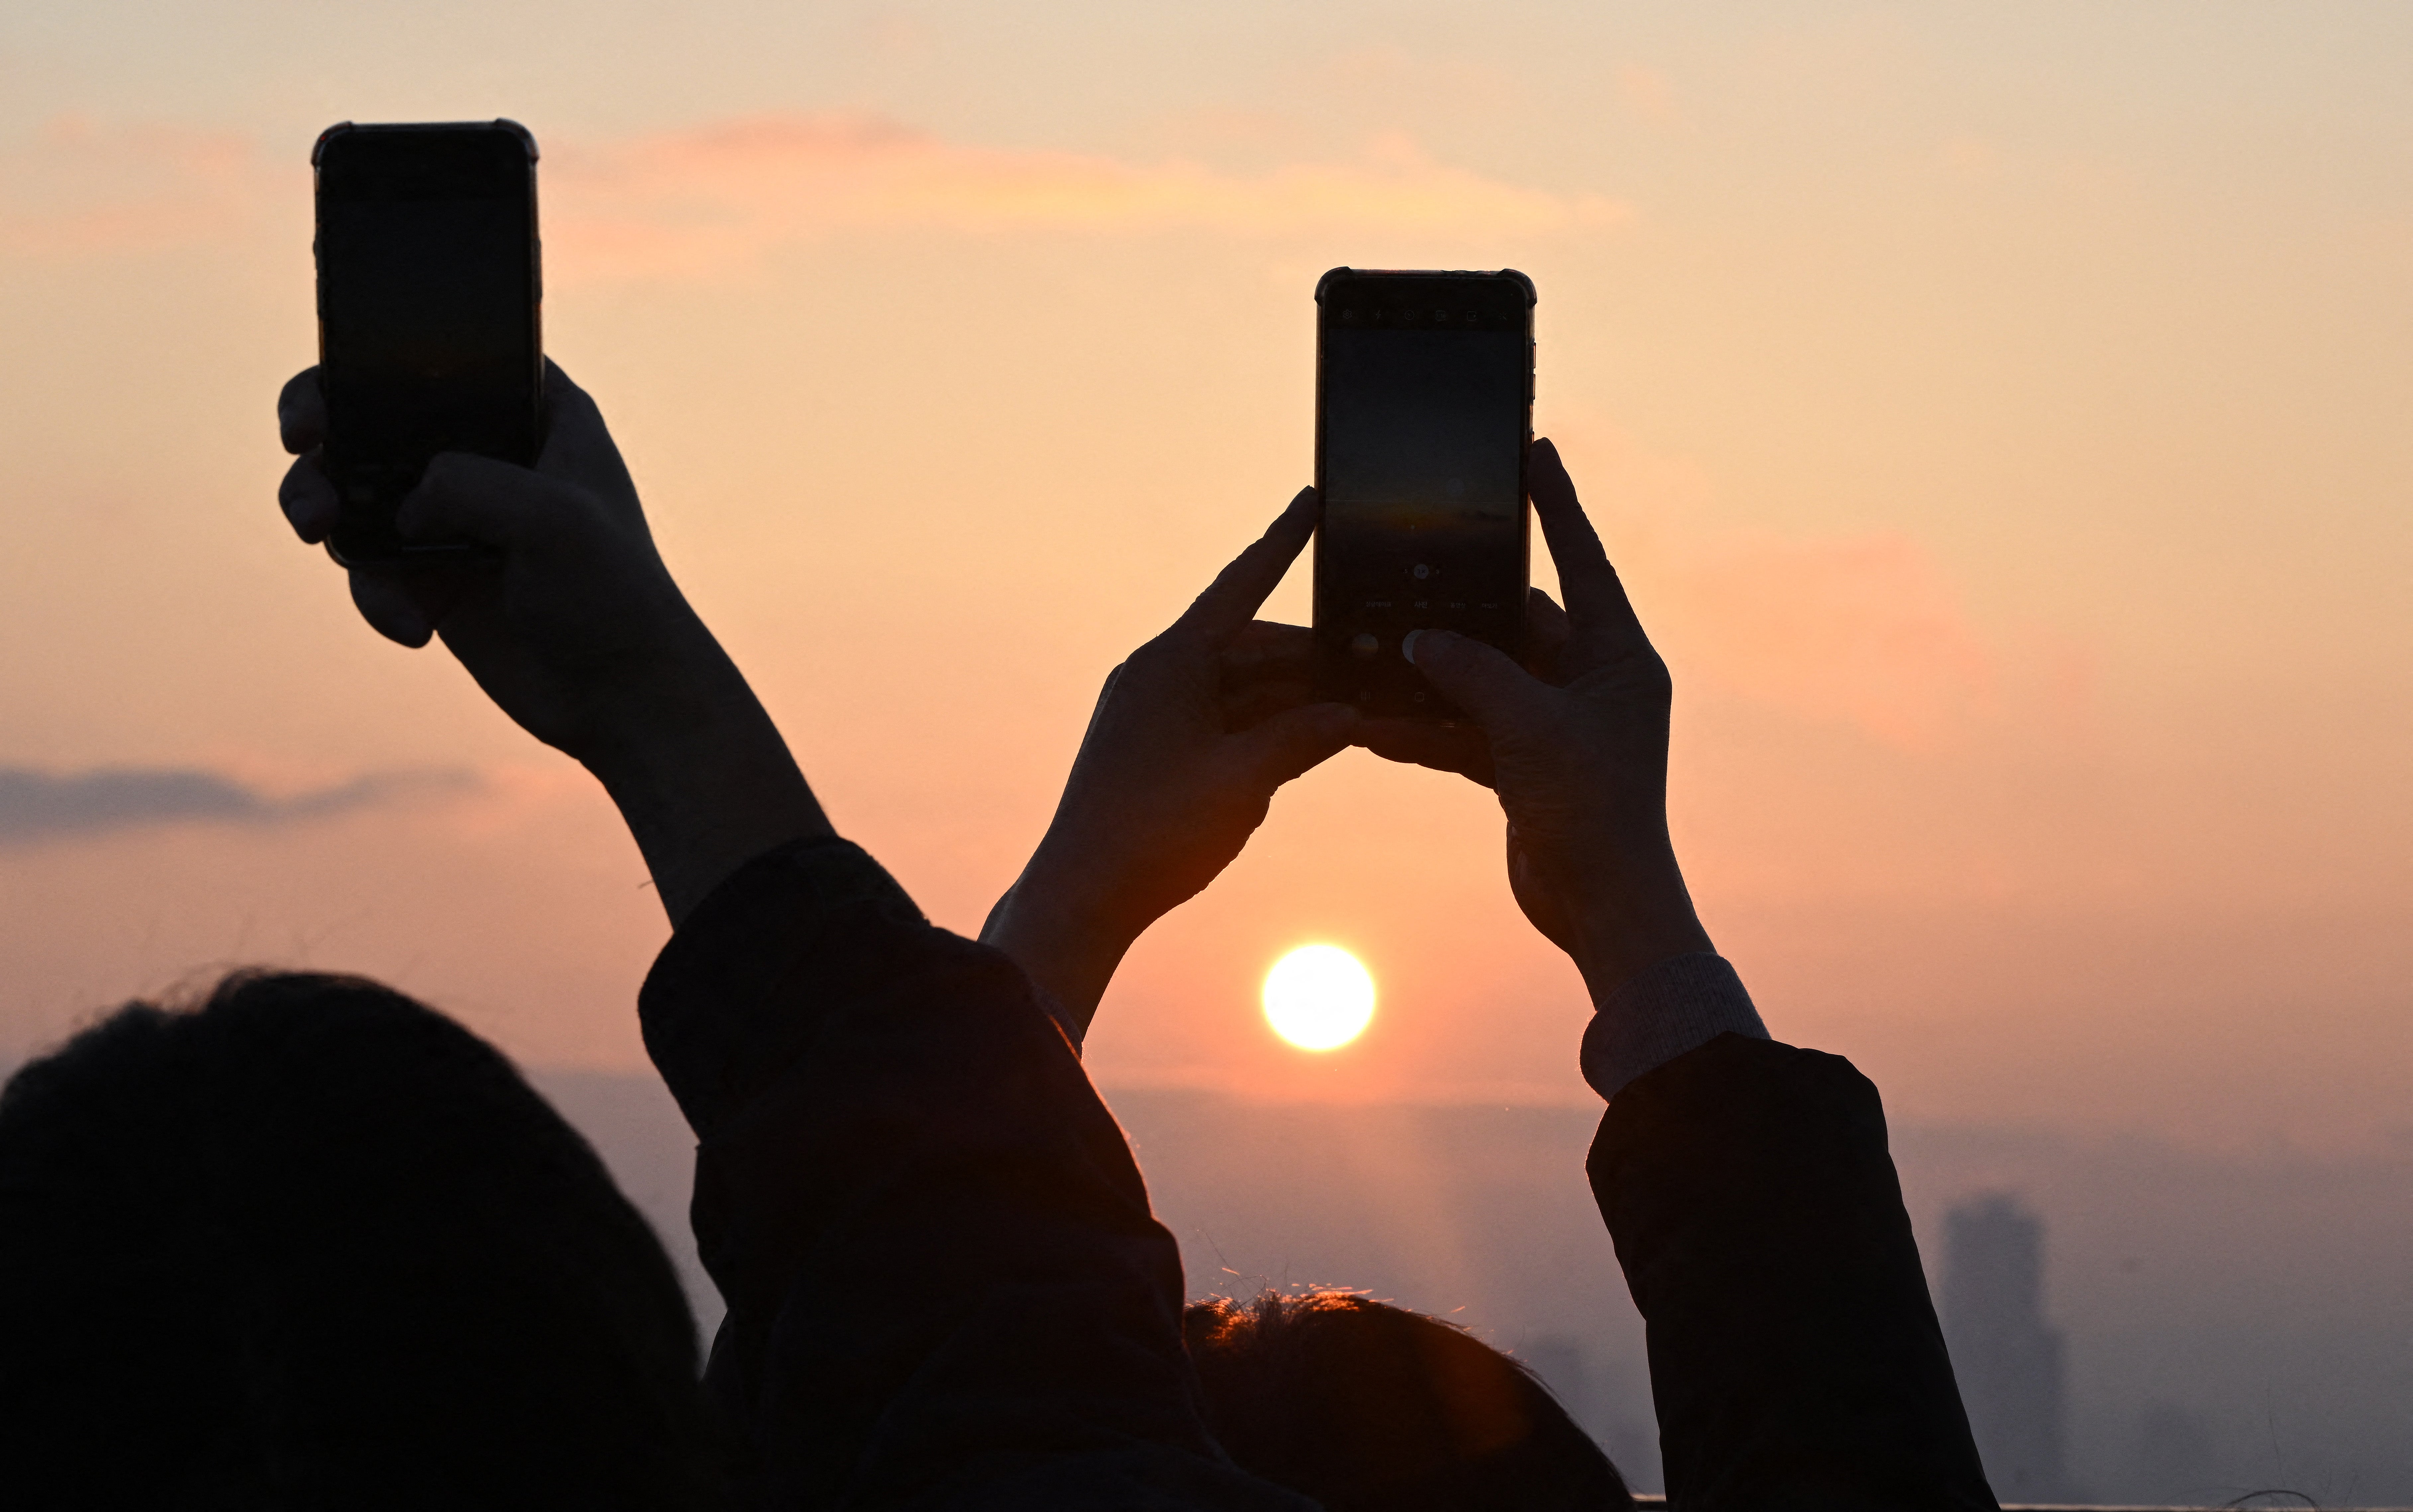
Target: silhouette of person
(310, 1244)
(1794, 1357)
(944, 1285)
(941, 1274)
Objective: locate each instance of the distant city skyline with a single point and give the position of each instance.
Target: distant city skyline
(2198, 1368)
(2007, 1357)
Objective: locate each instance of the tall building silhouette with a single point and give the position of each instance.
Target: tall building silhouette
(2007, 1358)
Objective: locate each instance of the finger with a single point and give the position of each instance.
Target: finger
(1596, 598)
(1105, 694)
(578, 446)
(1262, 650)
(1547, 631)
(1545, 621)
(1291, 743)
(1479, 678)
(1249, 706)
(392, 609)
(491, 502)
(302, 412)
(1444, 747)
(1241, 587)
(1266, 640)
(308, 499)
(1266, 669)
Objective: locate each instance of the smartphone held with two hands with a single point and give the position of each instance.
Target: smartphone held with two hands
(1423, 406)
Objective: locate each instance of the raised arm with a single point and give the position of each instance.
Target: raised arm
(1575, 743)
(574, 628)
(1193, 735)
(944, 1285)
(1795, 1357)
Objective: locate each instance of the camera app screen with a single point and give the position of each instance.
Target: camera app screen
(425, 311)
(1423, 431)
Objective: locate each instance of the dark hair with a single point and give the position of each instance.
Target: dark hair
(1367, 1407)
(312, 1244)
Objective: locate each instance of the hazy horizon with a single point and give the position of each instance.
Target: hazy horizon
(2245, 1309)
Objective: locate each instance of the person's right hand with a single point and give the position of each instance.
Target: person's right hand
(576, 620)
(1575, 745)
(577, 631)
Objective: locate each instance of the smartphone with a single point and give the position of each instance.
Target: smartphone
(1424, 417)
(430, 301)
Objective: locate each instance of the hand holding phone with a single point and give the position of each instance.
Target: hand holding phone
(1191, 738)
(1575, 743)
(571, 622)
(568, 606)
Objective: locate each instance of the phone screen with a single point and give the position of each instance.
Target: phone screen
(429, 337)
(1424, 414)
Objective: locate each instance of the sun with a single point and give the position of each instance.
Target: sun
(1318, 998)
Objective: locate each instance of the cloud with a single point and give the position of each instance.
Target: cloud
(81, 188)
(701, 200)
(1869, 629)
(37, 805)
(1863, 627)
(698, 201)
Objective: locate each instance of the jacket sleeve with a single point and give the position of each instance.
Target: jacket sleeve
(945, 1286)
(1794, 1357)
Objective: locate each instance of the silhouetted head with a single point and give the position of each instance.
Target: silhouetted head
(311, 1244)
(1367, 1407)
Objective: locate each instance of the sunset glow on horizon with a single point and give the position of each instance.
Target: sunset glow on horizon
(1996, 416)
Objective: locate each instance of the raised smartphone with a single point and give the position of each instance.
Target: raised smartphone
(1424, 407)
(430, 315)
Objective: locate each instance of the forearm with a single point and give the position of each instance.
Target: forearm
(1621, 929)
(1657, 985)
(701, 777)
(1058, 942)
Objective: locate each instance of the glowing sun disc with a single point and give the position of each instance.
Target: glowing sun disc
(1318, 998)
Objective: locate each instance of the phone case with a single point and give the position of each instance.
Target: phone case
(1357, 640)
(367, 537)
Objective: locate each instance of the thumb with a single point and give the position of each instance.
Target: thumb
(487, 501)
(578, 446)
(392, 610)
(1479, 678)
(1292, 741)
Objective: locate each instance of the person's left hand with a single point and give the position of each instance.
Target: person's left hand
(1192, 734)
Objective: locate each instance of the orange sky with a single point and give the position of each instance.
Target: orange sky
(2000, 420)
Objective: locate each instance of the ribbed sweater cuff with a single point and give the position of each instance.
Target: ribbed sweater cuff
(1680, 1005)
